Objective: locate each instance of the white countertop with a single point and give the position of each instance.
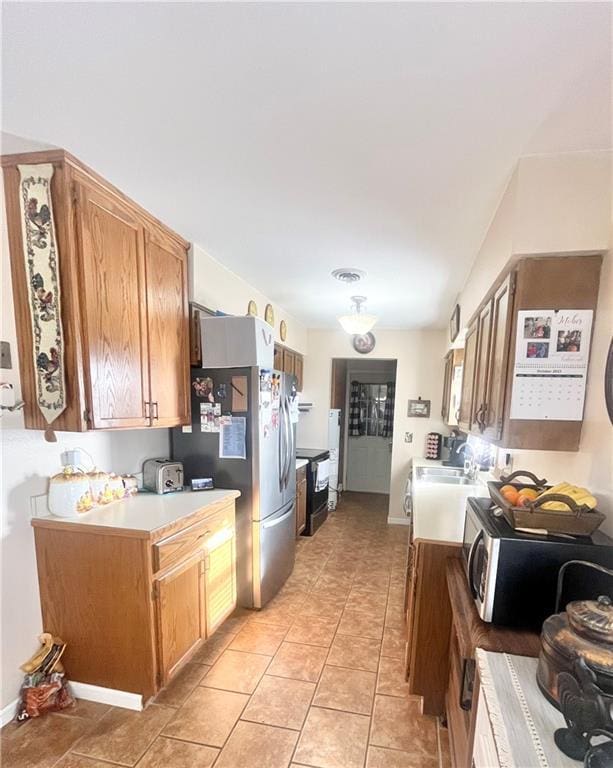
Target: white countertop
(439, 508)
(301, 463)
(147, 512)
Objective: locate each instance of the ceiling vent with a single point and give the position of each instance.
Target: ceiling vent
(348, 274)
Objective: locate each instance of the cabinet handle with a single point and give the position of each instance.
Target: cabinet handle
(155, 409)
(483, 416)
(147, 409)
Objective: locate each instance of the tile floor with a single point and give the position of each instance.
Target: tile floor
(314, 679)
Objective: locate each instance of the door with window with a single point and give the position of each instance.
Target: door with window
(369, 446)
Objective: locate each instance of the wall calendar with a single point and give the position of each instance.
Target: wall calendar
(551, 359)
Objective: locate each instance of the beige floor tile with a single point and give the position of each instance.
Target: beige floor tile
(209, 652)
(237, 621)
(207, 717)
(444, 746)
(258, 638)
(332, 739)
(360, 625)
(122, 736)
(393, 758)
(394, 643)
(398, 724)
(236, 671)
(180, 687)
(355, 653)
(89, 710)
(172, 753)
(312, 630)
(78, 761)
(40, 742)
(391, 680)
(395, 617)
(280, 701)
(253, 745)
(327, 606)
(298, 661)
(351, 690)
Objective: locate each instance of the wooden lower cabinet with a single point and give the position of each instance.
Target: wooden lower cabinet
(181, 612)
(428, 623)
(134, 605)
(301, 500)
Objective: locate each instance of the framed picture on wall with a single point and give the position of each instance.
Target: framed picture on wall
(454, 323)
(419, 408)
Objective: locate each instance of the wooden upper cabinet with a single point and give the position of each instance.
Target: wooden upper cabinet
(493, 410)
(278, 357)
(289, 361)
(482, 366)
(114, 311)
(468, 378)
(447, 378)
(299, 371)
(167, 328)
(289, 358)
(123, 303)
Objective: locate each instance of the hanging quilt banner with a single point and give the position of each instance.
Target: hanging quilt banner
(42, 271)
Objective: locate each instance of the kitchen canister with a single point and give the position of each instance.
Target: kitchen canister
(100, 486)
(69, 493)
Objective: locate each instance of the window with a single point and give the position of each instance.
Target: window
(372, 399)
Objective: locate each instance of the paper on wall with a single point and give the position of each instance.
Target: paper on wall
(232, 434)
(551, 360)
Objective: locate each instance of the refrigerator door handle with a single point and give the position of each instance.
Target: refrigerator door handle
(286, 427)
(279, 520)
(281, 453)
(292, 443)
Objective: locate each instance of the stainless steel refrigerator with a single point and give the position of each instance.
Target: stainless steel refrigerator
(266, 477)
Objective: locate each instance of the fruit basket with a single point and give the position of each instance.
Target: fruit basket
(571, 517)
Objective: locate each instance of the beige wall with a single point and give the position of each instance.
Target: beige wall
(419, 373)
(27, 462)
(560, 204)
(216, 287)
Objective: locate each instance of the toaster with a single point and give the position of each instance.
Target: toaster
(162, 475)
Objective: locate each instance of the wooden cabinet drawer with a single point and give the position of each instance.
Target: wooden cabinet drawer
(182, 544)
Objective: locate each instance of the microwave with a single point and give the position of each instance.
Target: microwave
(513, 575)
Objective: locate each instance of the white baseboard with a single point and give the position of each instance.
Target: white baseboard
(111, 696)
(398, 521)
(8, 713)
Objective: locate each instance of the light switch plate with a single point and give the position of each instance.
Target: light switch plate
(5, 355)
(408, 437)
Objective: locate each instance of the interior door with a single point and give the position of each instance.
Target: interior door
(369, 456)
(114, 310)
(180, 608)
(168, 330)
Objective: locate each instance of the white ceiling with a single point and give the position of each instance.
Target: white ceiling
(290, 139)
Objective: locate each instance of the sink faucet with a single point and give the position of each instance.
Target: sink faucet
(471, 467)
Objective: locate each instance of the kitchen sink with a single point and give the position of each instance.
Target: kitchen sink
(440, 471)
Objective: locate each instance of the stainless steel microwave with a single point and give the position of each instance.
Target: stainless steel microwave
(512, 575)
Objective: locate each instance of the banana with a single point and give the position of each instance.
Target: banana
(581, 497)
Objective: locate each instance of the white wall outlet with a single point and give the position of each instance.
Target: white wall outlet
(408, 437)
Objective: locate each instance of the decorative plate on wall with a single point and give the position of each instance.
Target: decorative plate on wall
(364, 343)
(283, 330)
(252, 308)
(269, 315)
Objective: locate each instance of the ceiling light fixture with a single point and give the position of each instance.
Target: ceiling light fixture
(358, 322)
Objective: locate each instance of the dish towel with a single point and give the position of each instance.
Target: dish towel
(322, 469)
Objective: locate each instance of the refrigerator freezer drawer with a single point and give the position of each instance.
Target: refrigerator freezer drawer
(274, 543)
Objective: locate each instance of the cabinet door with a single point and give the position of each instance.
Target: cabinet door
(301, 506)
(113, 302)
(180, 608)
(502, 315)
(484, 335)
(447, 376)
(278, 357)
(220, 578)
(298, 370)
(468, 378)
(168, 330)
(288, 361)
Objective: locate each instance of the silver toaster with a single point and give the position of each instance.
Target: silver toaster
(162, 475)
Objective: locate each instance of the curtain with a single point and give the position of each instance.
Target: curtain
(388, 412)
(354, 410)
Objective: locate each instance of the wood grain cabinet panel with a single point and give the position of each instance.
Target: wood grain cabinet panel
(301, 500)
(468, 378)
(123, 303)
(299, 370)
(167, 325)
(493, 407)
(180, 610)
(220, 580)
(114, 311)
(482, 368)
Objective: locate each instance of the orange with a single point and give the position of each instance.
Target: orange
(510, 493)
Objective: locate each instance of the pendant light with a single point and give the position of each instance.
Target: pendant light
(358, 322)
